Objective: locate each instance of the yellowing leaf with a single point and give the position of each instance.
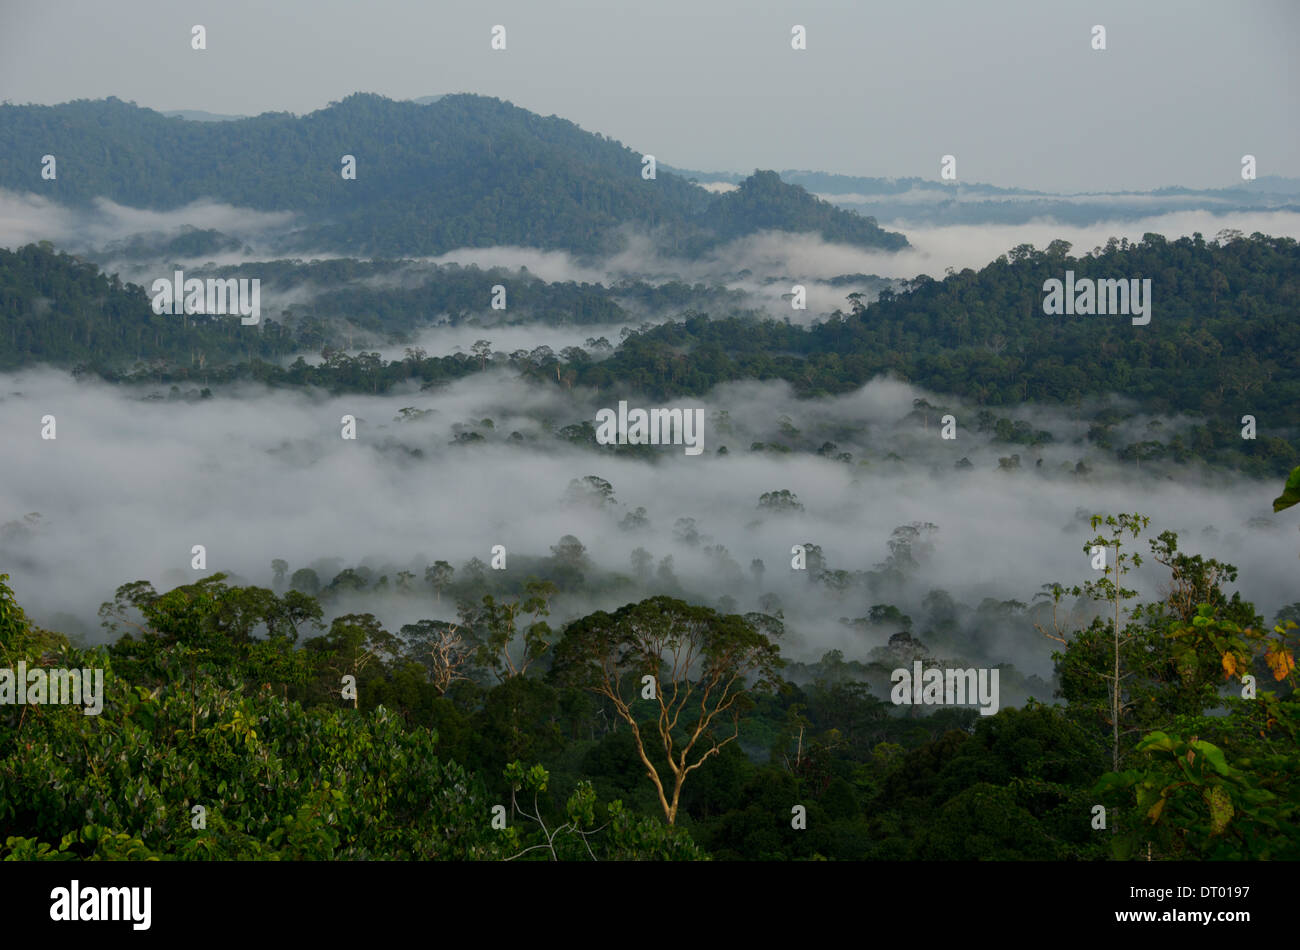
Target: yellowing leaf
(1229, 665)
(1154, 811)
(1280, 661)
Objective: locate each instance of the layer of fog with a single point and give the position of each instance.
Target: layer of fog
(935, 249)
(26, 218)
(131, 484)
(940, 194)
(765, 266)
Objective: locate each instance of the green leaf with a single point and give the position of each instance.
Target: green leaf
(1214, 755)
(1291, 493)
(1156, 740)
(1114, 780)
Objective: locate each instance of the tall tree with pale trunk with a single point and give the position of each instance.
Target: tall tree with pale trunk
(678, 674)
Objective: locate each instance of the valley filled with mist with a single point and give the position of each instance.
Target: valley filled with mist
(383, 503)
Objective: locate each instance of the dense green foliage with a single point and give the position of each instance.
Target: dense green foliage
(1222, 331)
(199, 714)
(57, 309)
(236, 699)
(464, 171)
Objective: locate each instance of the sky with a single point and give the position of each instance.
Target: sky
(1013, 89)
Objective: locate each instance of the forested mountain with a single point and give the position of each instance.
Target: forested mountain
(1223, 341)
(462, 171)
(1222, 326)
(763, 201)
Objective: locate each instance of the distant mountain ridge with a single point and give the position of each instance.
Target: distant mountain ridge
(916, 202)
(460, 171)
(198, 115)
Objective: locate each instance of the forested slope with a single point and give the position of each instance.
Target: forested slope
(464, 171)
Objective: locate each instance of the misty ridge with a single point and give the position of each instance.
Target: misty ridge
(911, 534)
(751, 273)
(488, 173)
(914, 202)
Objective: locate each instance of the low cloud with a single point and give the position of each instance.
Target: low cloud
(26, 218)
(132, 483)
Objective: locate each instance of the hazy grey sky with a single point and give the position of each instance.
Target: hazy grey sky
(1012, 88)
